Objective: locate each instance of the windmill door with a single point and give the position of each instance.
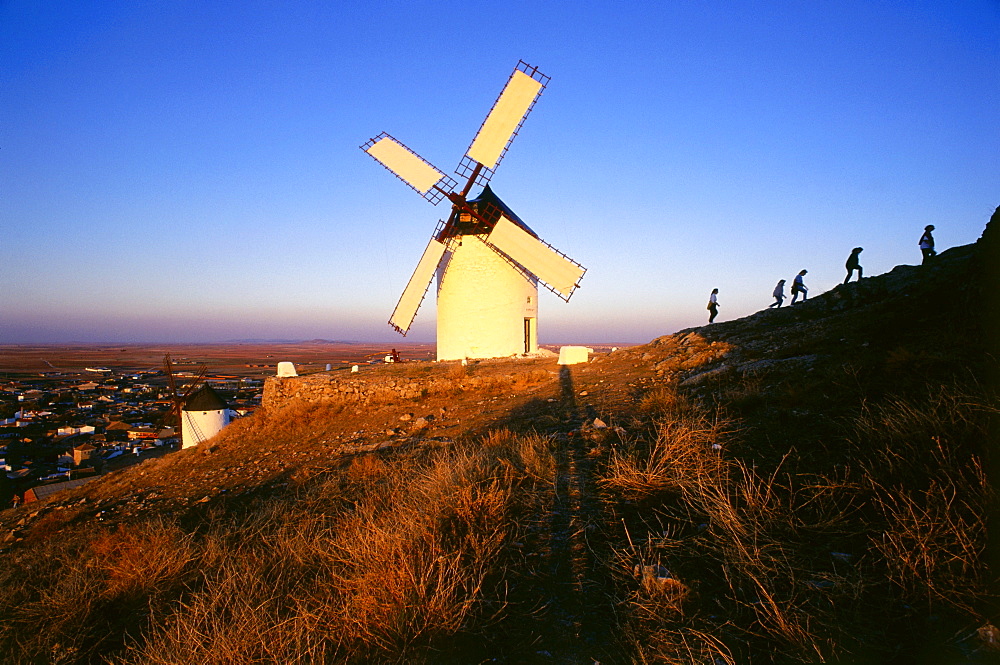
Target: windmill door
(529, 325)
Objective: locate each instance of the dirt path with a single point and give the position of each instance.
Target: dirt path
(575, 621)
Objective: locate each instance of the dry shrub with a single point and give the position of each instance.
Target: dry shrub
(905, 366)
(923, 461)
(366, 469)
(906, 439)
(398, 591)
(71, 599)
(506, 384)
(933, 545)
(744, 392)
(416, 567)
(757, 535)
(531, 378)
(661, 632)
(900, 359)
(654, 591)
(296, 421)
(678, 461)
(54, 616)
(537, 458)
(139, 558)
(664, 401)
(917, 471)
(670, 593)
(245, 611)
(50, 524)
(463, 492)
(527, 456)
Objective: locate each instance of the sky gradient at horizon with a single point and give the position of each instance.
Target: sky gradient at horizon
(183, 172)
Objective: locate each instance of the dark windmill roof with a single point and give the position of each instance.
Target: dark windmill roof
(205, 399)
(488, 202)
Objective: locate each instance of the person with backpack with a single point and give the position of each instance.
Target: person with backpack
(799, 286)
(713, 305)
(854, 264)
(927, 244)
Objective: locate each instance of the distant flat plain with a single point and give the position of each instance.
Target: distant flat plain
(237, 359)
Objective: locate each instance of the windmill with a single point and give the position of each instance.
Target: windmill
(487, 261)
(205, 414)
(199, 412)
(179, 395)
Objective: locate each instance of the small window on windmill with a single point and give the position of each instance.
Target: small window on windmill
(466, 223)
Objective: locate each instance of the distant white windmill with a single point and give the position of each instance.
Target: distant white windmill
(199, 412)
(205, 414)
(487, 261)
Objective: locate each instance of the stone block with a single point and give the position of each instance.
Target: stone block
(573, 355)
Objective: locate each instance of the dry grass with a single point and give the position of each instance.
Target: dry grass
(677, 461)
(377, 561)
(389, 557)
(683, 646)
(764, 545)
(137, 560)
(925, 467)
(663, 401)
(364, 470)
(71, 598)
(744, 534)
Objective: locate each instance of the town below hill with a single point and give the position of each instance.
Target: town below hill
(61, 427)
(71, 413)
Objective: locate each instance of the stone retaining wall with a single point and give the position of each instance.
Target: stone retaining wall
(315, 388)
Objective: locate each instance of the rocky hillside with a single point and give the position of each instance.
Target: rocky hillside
(806, 484)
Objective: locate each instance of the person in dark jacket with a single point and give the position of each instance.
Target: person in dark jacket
(854, 264)
(799, 286)
(927, 244)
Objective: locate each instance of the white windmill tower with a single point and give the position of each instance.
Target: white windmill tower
(487, 261)
(204, 415)
(199, 414)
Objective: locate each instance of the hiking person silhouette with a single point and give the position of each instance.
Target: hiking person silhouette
(799, 286)
(854, 264)
(927, 244)
(713, 305)
(779, 294)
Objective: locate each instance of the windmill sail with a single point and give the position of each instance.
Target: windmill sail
(177, 396)
(409, 167)
(406, 309)
(560, 273)
(506, 117)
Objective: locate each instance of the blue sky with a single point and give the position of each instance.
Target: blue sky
(190, 171)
